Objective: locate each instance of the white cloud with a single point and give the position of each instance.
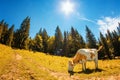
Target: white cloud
(108, 23)
(84, 18)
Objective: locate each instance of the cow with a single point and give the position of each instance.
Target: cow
(82, 56)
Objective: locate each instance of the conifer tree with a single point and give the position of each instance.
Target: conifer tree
(4, 33)
(90, 39)
(116, 43)
(51, 42)
(72, 43)
(1, 28)
(118, 29)
(10, 36)
(104, 43)
(110, 43)
(101, 53)
(65, 44)
(82, 42)
(75, 41)
(21, 35)
(58, 41)
(38, 46)
(44, 35)
(31, 44)
(45, 38)
(40, 32)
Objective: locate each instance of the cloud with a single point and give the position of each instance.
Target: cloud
(105, 23)
(84, 18)
(108, 23)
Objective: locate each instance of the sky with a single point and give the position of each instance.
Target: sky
(98, 15)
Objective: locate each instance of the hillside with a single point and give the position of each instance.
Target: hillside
(18, 64)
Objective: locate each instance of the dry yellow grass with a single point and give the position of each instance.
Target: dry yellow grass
(28, 65)
(14, 65)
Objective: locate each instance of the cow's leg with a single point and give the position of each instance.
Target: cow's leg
(96, 64)
(83, 66)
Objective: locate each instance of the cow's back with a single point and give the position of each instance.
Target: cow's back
(89, 53)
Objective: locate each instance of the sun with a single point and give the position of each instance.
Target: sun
(67, 7)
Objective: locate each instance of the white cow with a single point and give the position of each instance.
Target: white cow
(82, 56)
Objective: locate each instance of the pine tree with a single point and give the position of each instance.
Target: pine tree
(1, 28)
(4, 33)
(10, 36)
(31, 44)
(118, 29)
(72, 42)
(44, 35)
(110, 43)
(116, 43)
(21, 35)
(45, 38)
(75, 42)
(58, 41)
(40, 32)
(82, 42)
(65, 44)
(38, 46)
(104, 43)
(16, 39)
(90, 39)
(51, 42)
(101, 53)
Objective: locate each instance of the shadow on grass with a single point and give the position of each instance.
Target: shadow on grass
(88, 71)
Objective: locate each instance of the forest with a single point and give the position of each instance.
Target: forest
(60, 44)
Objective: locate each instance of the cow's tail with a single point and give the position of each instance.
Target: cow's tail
(99, 48)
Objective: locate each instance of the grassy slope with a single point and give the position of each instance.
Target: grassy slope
(25, 65)
(14, 64)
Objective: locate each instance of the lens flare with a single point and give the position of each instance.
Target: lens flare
(67, 7)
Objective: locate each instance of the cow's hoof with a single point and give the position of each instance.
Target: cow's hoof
(71, 72)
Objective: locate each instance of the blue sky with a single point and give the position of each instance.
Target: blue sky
(98, 15)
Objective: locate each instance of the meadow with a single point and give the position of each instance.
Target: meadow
(16, 64)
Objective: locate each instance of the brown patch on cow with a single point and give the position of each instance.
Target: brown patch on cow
(92, 55)
(79, 57)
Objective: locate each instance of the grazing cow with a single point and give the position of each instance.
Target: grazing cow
(82, 56)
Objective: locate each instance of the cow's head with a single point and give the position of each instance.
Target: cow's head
(70, 66)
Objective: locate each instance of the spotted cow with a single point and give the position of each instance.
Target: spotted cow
(82, 56)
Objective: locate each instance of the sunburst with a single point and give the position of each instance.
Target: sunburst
(67, 7)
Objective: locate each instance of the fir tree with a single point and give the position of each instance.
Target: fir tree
(90, 39)
(58, 41)
(1, 28)
(10, 36)
(45, 38)
(82, 42)
(21, 35)
(104, 43)
(4, 33)
(65, 44)
(51, 42)
(38, 46)
(75, 41)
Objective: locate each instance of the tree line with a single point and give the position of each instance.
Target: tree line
(65, 44)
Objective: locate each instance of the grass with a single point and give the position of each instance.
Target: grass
(106, 68)
(39, 65)
(24, 69)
